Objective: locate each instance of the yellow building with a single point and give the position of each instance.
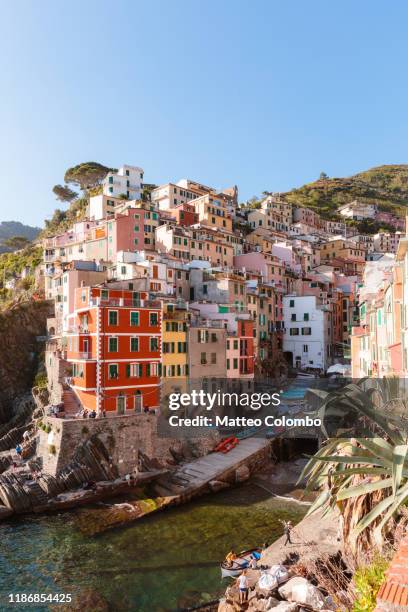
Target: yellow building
(213, 211)
(344, 249)
(175, 347)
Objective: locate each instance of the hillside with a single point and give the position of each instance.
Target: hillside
(9, 229)
(385, 185)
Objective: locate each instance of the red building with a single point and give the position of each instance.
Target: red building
(114, 346)
(184, 214)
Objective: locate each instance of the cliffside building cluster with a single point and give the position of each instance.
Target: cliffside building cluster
(152, 291)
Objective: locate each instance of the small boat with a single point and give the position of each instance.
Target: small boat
(240, 563)
(226, 445)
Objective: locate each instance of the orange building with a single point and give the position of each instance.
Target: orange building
(114, 346)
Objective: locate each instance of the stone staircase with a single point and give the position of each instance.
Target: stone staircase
(71, 402)
(41, 498)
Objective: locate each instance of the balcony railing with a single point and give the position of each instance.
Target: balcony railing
(78, 329)
(123, 302)
(85, 355)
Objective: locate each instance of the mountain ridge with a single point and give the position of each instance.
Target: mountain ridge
(386, 185)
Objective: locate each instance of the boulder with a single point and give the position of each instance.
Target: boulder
(226, 606)
(285, 606)
(301, 591)
(242, 473)
(218, 485)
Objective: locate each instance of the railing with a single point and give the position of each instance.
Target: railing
(209, 323)
(85, 355)
(77, 329)
(128, 303)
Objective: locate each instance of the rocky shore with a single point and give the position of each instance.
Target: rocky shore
(314, 538)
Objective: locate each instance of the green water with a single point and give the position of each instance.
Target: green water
(162, 563)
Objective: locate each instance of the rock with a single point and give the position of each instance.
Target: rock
(329, 603)
(227, 606)
(88, 599)
(242, 473)
(271, 603)
(301, 591)
(218, 485)
(285, 606)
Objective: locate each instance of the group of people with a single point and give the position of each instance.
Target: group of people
(242, 580)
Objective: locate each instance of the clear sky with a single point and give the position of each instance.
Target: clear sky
(264, 94)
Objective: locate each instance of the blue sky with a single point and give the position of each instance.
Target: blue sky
(265, 94)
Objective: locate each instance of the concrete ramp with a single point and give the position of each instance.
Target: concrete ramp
(193, 478)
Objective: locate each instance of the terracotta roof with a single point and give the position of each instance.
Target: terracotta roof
(393, 594)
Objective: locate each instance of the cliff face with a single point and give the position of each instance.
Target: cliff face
(20, 350)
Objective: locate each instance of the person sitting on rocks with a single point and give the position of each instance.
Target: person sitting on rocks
(230, 558)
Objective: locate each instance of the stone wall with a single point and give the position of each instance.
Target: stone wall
(123, 436)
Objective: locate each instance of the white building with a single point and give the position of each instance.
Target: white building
(358, 210)
(386, 242)
(127, 181)
(307, 341)
(168, 196)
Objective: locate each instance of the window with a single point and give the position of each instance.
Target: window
(235, 345)
(104, 294)
(134, 345)
(235, 364)
(294, 331)
(306, 331)
(153, 319)
(154, 344)
(123, 269)
(205, 289)
(305, 348)
(203, 359)
(306, 316)
(228, 364)
(291, 303)
(213, 358)
(113, 371)
(293, 317)
(113, 317)
(182, 347)
(134, 318)
(134, 370)
(113, 345)
(213, 337)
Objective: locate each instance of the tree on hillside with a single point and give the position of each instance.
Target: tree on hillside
(15, 243)
(323, 176)
(64, 193)
(86, 175)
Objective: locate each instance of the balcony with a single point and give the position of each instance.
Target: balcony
(123, 302)
(77, 329)
(85, 355)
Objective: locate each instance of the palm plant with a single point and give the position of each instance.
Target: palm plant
(366, 478)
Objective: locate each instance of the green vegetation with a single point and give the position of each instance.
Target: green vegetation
(12, 264)
(87, 174)
(385, 185)
(365, 478)
(367, 581)
(64, 193)
(41, 380)
(64, 219)
(13, 233)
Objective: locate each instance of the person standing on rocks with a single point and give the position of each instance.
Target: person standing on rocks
(287, 529)
(243, 587)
